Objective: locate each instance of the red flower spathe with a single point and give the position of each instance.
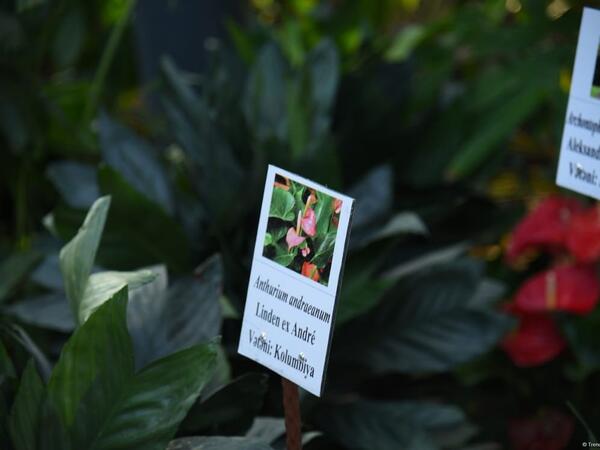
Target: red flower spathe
(573, 289)
(535, 341)
(546, 226)
(583, 239)
(310, 270)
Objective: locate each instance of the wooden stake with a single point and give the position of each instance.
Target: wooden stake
(291, 407)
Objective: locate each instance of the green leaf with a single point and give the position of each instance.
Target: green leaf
(500, 124)
(361, 291)
(282, 256)
(49, 311)
(229, 410)
(264, 102)
(70, 37)
(154, 238)
(25, 414)
(324, 251)
(77, 183)
(136, 161)
(7, 369)
(144, 412)
(405, 42)
(323, 212)
(77, 257)
(98, 350)
(218, 443)
(426, 324)
(163, 321)
(407, 425)
(102, 286)
(102, 401)
(268, 240)
(13, 269)
(583, 334)
(282, 205)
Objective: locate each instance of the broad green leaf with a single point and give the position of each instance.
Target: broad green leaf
(426, 324)
(267, 429)
(13, 269)
(405, 42)
(47, 273)
(501, 123)
(323, 212)
(49, 311)
(230, 410)
(324, 251)
(144, 412)
(20, 336)
(407, 425)
(282, 256)
(163, 321)
(136, 161)
(25, 414)
(152, 238)
(98, 350)
(282, 205)
(77, 183)
(583, 334)
(24, 5)
(70, 37)
(361, 291)
(218, 443)
(374, 197)
(268, 240)
(7, 369)
(264, 102)
(102, 286)
(77, 257)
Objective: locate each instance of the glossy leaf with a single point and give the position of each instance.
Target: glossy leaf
(49, 311)
(98, 350)
(13, 269)
(218, 443)
(324, 251)
(426, 324)
(102, 286)
(136, 161)
(282, 205)
(77, 257)
(408, 425)
(160, 395)
(163, 321)
(141, 242)
(24, 420)
(76, 182)
(229, 410)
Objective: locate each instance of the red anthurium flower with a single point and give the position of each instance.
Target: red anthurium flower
(337, 205)
(546, 226)
(573, 289)
(310, 270)
(535, 341)
(549, 430)
(309, 222)
(293, 239)
(583, 240)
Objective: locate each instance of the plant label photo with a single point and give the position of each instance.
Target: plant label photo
(295, 278)
(579, 162)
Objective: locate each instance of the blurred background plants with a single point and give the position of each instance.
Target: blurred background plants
(441, 118)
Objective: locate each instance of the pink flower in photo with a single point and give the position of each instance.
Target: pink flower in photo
(309, 222)
(292, 238)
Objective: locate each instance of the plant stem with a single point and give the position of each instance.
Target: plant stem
(105, 62)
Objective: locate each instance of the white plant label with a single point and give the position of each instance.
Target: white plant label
(579, 162)
(295, 277)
